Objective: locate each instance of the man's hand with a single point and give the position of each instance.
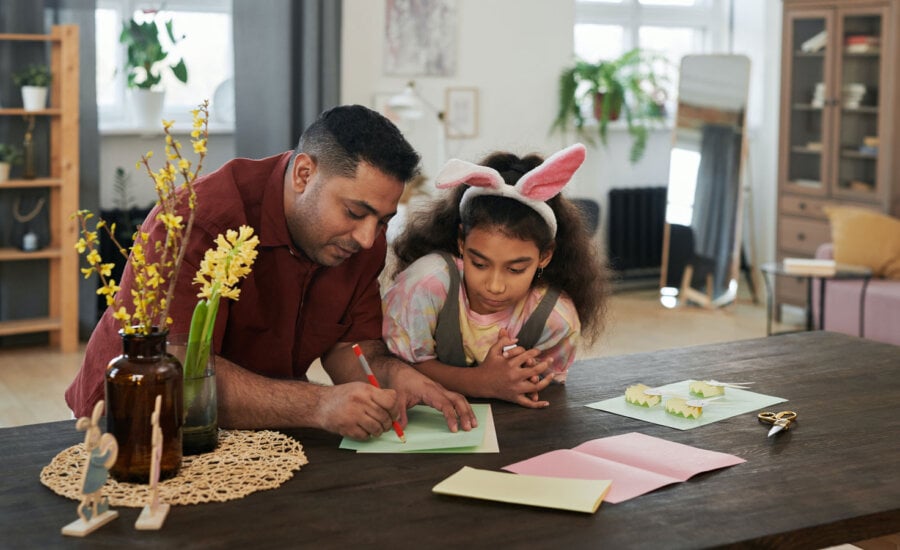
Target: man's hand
(414, 387)
(357, 409)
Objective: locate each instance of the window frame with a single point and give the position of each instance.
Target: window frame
(113, 119)
(710, 16)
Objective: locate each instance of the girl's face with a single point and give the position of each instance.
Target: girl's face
(498, 270)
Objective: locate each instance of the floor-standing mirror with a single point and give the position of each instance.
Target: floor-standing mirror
(701, 244)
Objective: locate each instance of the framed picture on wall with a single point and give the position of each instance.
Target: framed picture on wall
(461, 112)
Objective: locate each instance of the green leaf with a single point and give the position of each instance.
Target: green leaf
(192, 365)
(180, 71)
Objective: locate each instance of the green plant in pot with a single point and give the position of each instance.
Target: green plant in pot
(145, 53)
(9, 155)
(33, 75)
(628, 86)
(34, 81)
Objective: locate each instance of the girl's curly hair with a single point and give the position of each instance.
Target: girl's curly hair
(576, 267)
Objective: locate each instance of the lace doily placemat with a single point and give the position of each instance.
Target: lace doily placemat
(243, 463)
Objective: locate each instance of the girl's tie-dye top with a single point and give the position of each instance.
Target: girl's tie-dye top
(411, 306)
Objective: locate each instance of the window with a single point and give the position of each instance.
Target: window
(206, 48)
(605, 29)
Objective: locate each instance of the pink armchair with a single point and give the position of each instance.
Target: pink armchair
(882, 306)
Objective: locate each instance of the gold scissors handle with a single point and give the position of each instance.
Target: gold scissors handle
(784, 417)
(780, 420)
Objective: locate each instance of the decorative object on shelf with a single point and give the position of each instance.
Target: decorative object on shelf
(9, 155)
(29, 172)
(629, 85)
(35, 82)
(144, 54)
(145, 369)
(101, 451)
(30, 241)
(154, 514)
(220, 271)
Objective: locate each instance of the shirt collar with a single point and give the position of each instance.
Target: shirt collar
(273, 229)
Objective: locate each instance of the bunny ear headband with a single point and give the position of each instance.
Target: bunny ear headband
(533, 189)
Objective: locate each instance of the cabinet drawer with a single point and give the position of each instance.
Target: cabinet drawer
(803, 206)
(796, 235)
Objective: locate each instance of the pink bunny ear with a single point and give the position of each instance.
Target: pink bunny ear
(458, 171)
(548, 179)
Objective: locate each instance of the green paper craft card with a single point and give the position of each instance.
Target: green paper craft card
(427, 432)
(734, 403)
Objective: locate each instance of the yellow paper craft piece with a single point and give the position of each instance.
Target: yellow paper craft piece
(678, 407)
(698, 387)
(576, 495)
(636, 396)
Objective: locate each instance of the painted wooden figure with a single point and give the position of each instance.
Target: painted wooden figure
(154, 514)
(102, 451)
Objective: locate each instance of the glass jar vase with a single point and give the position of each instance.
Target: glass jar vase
(133, 380)
(201, 425)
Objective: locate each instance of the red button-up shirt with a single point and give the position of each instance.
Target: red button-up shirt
(291, 310)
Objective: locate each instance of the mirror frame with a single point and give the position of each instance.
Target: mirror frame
(707, 294)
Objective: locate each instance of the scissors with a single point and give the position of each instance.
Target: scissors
(780, 420)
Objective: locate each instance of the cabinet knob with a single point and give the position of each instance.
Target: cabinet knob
(802, 206)
(801, 236)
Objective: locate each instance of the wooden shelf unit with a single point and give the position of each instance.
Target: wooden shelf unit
(823, 131)
(62, 185)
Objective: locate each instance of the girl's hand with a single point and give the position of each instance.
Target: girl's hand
(515, 375)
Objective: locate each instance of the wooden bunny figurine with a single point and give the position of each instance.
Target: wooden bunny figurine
(102, 451)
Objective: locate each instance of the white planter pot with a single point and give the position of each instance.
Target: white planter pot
(4, 171)
(34, 98)
(147, 107)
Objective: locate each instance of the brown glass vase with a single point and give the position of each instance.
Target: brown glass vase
(133, 380)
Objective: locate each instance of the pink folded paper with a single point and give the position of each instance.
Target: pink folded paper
(636, 463)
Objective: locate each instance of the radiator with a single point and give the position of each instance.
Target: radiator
(635, 235)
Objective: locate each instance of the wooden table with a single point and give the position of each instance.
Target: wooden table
(834, 477)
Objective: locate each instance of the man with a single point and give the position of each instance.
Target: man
(320, 214)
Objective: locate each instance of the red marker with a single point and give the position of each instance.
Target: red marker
(374, 381)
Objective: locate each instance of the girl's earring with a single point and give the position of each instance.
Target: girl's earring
(540, 271)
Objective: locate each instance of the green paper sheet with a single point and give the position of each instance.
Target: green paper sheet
(577, 495)
(734, 403)
(427, 432)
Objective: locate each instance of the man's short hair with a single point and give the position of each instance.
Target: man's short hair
(343, 136)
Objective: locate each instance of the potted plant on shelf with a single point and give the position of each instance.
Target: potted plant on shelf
(9, 155)
(628, 86)
(145, 56)
(34, 81)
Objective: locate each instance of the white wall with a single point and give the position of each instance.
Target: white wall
(513, 51)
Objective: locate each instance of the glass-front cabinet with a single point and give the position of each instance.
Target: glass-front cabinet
(833, 89)
(839, 117)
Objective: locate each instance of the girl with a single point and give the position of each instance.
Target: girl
(501, 276)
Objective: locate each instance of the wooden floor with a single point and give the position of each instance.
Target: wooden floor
(32, 380)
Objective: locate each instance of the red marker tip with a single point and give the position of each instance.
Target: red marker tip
(357, 350)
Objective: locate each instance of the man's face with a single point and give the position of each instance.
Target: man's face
(332, 217)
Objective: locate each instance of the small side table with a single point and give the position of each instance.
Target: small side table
(841, 272)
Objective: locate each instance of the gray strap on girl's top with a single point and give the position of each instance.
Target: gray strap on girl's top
(531, 331)
(448, 336)
(448, 344)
